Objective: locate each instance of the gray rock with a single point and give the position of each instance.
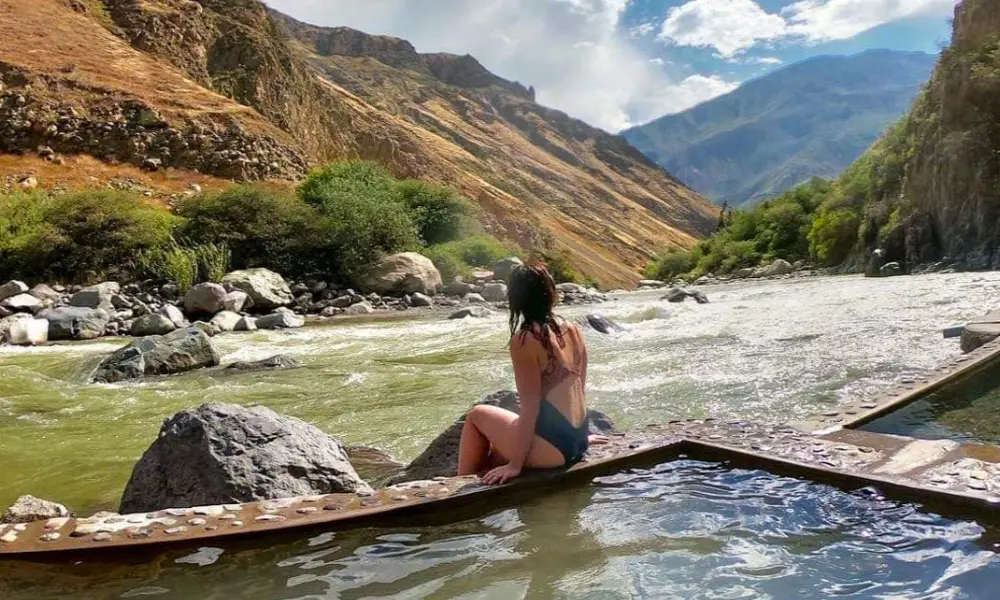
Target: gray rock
(120, 302)
(892, 269)
(474, 298)
(571, 288)
(331, 311)
(420, 300)
(342, 302)
(22, 303)
(151, 325)
(361, 308)
(169, 291)
(650, 284)
(743, 273)
(675, 295)
(280, 361)
(266, 289)
(440, 459)
(600, 323)
(456, 288)
(76, 322)
(96, 296)
(219, 453)
(505, 267)
(205, 299)
(403, 273)
(777, 268)
(471, 312)
(282, 319)
(236, 301)
(28, 509)
(225, 321)
(177, 352)
(46, 294)
(495, 292)
(246, 324)
(23, 330)
(174, 314)
(12, 288)
(205, 328)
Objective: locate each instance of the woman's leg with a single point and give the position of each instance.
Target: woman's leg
(490, 427)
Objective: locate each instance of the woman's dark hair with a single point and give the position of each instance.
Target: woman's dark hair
(531, 296)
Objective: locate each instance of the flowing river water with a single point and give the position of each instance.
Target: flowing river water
(768, 351)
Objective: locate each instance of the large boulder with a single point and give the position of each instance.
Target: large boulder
(266, 289)
(96, 296)
(205, 299)
(23, 330)
(281, 319)
(226, 321)
(457, 288)
(675, 295)
(12, 288)
(440, 458)
(600, 324)
(404, 273)
(236, 301)
(777, 268)
(505, 267)
(76, 322)
(45, 294)
(495, 292)
(28, 509)
(151, 324)
(174, 314)
(22, 303)
(219, 453)
(177, 352)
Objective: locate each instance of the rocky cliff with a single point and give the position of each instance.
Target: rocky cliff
(231, 89)
(945, 175)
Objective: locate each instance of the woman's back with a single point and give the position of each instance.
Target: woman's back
(562, 356)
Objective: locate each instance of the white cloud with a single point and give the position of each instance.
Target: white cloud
(729, 26)
(674, 98)
(572, 51)
(821, 21)
(765, 60)
(732, 27)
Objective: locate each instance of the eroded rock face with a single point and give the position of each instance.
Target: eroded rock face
(28, 509)
(220, 453)
(177, 352)
(440, 459)
(266, 289)
(403, 273)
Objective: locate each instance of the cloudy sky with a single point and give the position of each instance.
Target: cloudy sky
(617, 63)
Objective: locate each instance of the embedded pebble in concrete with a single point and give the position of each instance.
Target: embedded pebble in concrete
(50, 537)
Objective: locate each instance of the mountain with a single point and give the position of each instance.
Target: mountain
(935, 183)
(230, 89)
(809, 119)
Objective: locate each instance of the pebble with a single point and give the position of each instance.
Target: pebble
(102, 537)
(175, 530)
(196, 521)
(236, 524)
(305, 510)
(50, 537)
(269, 518)
(233, 507)
(9, 538)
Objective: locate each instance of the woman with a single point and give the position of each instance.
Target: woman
(550, 368)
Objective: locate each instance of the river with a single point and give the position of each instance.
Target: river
(769, 351)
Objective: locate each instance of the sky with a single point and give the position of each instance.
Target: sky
(621, 63)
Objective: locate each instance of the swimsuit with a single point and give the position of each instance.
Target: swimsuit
(552, 426)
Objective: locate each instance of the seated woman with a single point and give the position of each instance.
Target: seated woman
(550, 368)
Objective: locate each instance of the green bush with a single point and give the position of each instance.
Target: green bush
(362, 217)
(184, 265)
(561, 267)
(439, 214)
(670, 265)
(78, 237)
(833, 235)
(460, 257)
(259, 227)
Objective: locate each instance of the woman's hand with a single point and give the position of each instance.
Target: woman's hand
(501, 475)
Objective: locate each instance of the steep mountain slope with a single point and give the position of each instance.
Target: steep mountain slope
(938, 191)
(809, 119)
(230, 89)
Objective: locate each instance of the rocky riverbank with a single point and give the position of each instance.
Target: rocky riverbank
(248, 300)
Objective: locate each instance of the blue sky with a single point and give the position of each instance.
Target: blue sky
(618, 63)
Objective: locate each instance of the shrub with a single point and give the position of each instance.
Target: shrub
(561, 267)
(259, 227)
(833, 235)
(81, 237)
(362, 216)
(460, 257)
(184, 265)
(670, 265)
(439, 214)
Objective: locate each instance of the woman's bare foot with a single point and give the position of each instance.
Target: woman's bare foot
(597, 440)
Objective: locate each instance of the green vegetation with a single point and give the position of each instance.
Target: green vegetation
(341, 219)
(82, 236)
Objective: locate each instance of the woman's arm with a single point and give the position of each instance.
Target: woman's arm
(528, 376)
